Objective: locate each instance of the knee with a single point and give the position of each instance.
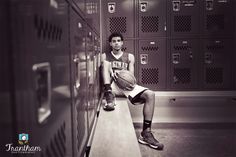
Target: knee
(149, 95)
(106, 67)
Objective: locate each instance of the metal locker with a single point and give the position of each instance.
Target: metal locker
(79, 4)
(92, 10)
(152, 63)
(42, 93)
(91, 79)
(97, 74)
(184, 64)
(185, 18)
(7, 121)
(118, 16)
(79, 82)
(152, 18)
(218, 55)
(218, 18)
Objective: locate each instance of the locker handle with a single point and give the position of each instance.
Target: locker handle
(43, 90)
(76, 60)
(208, 58)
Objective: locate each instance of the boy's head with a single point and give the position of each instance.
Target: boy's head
(115, 34)
(116, 41)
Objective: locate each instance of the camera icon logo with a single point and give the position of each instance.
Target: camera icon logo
(23, 138)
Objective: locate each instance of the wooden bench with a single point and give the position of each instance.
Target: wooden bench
(114, 134)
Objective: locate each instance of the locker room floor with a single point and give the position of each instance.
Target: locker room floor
(192, 143)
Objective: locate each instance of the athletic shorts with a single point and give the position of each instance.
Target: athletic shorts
(133, 95)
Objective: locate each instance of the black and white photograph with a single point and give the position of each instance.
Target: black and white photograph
(117, 78)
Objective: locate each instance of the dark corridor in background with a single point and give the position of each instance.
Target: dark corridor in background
(50, 57)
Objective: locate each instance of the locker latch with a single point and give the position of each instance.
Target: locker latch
(176, 5)
(144, 58)
(143, 6)
(76, 61)
(111, 7)
(43, 90)
(208, 58)
(209, 5)
(176, 58)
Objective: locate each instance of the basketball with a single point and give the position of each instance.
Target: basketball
(125, 80)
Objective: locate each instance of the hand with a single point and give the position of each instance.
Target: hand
(114, 75)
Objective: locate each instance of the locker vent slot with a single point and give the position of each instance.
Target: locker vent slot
(150, 76)
(150, 48)
(182, 76)
(124, 49)
(214, 75)
(118, 24)
(182, 23)
(57, 146)
(215, 47)
(150, 24)
(182, 48)
(47, 30)
(215, 22)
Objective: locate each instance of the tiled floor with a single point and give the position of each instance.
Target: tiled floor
(193, 143)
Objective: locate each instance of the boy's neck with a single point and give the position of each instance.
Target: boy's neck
(117, 52)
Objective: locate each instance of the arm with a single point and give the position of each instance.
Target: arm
(131, 63)
(107, 72)
(103, 57)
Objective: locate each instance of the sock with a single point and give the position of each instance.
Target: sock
(107, 87)
(108, 93)
(147, 124)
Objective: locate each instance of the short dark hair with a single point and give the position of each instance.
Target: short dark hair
(115, 34)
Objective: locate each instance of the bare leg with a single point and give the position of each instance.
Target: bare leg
(146, 136)
(148, 108)
(106, 72)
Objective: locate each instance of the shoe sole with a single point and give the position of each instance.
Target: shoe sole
(106, 108)
(150, 145)
(110, 109)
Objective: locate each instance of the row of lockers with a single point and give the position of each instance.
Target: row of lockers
(178, 44)
(50, 80)
(174, 18)
(184, 64)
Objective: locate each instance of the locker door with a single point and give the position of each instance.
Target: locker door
(118, 17)
(93, 14)
(91, 81)
(152, 63)
(41, 75)
(218, 17)
(97, 77)
(152, 18)
(184, 17)
(217, 64)
(79, 82)
(7, 121)
(80, 4)
(184, 63)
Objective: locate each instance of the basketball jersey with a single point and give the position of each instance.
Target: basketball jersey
(121, 63)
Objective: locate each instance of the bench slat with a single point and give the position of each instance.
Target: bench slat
(115, 135)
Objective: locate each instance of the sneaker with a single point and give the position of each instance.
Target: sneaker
(147, 138)
(109, 107)
(110, 101)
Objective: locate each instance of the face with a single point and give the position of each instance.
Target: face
(116, 43)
